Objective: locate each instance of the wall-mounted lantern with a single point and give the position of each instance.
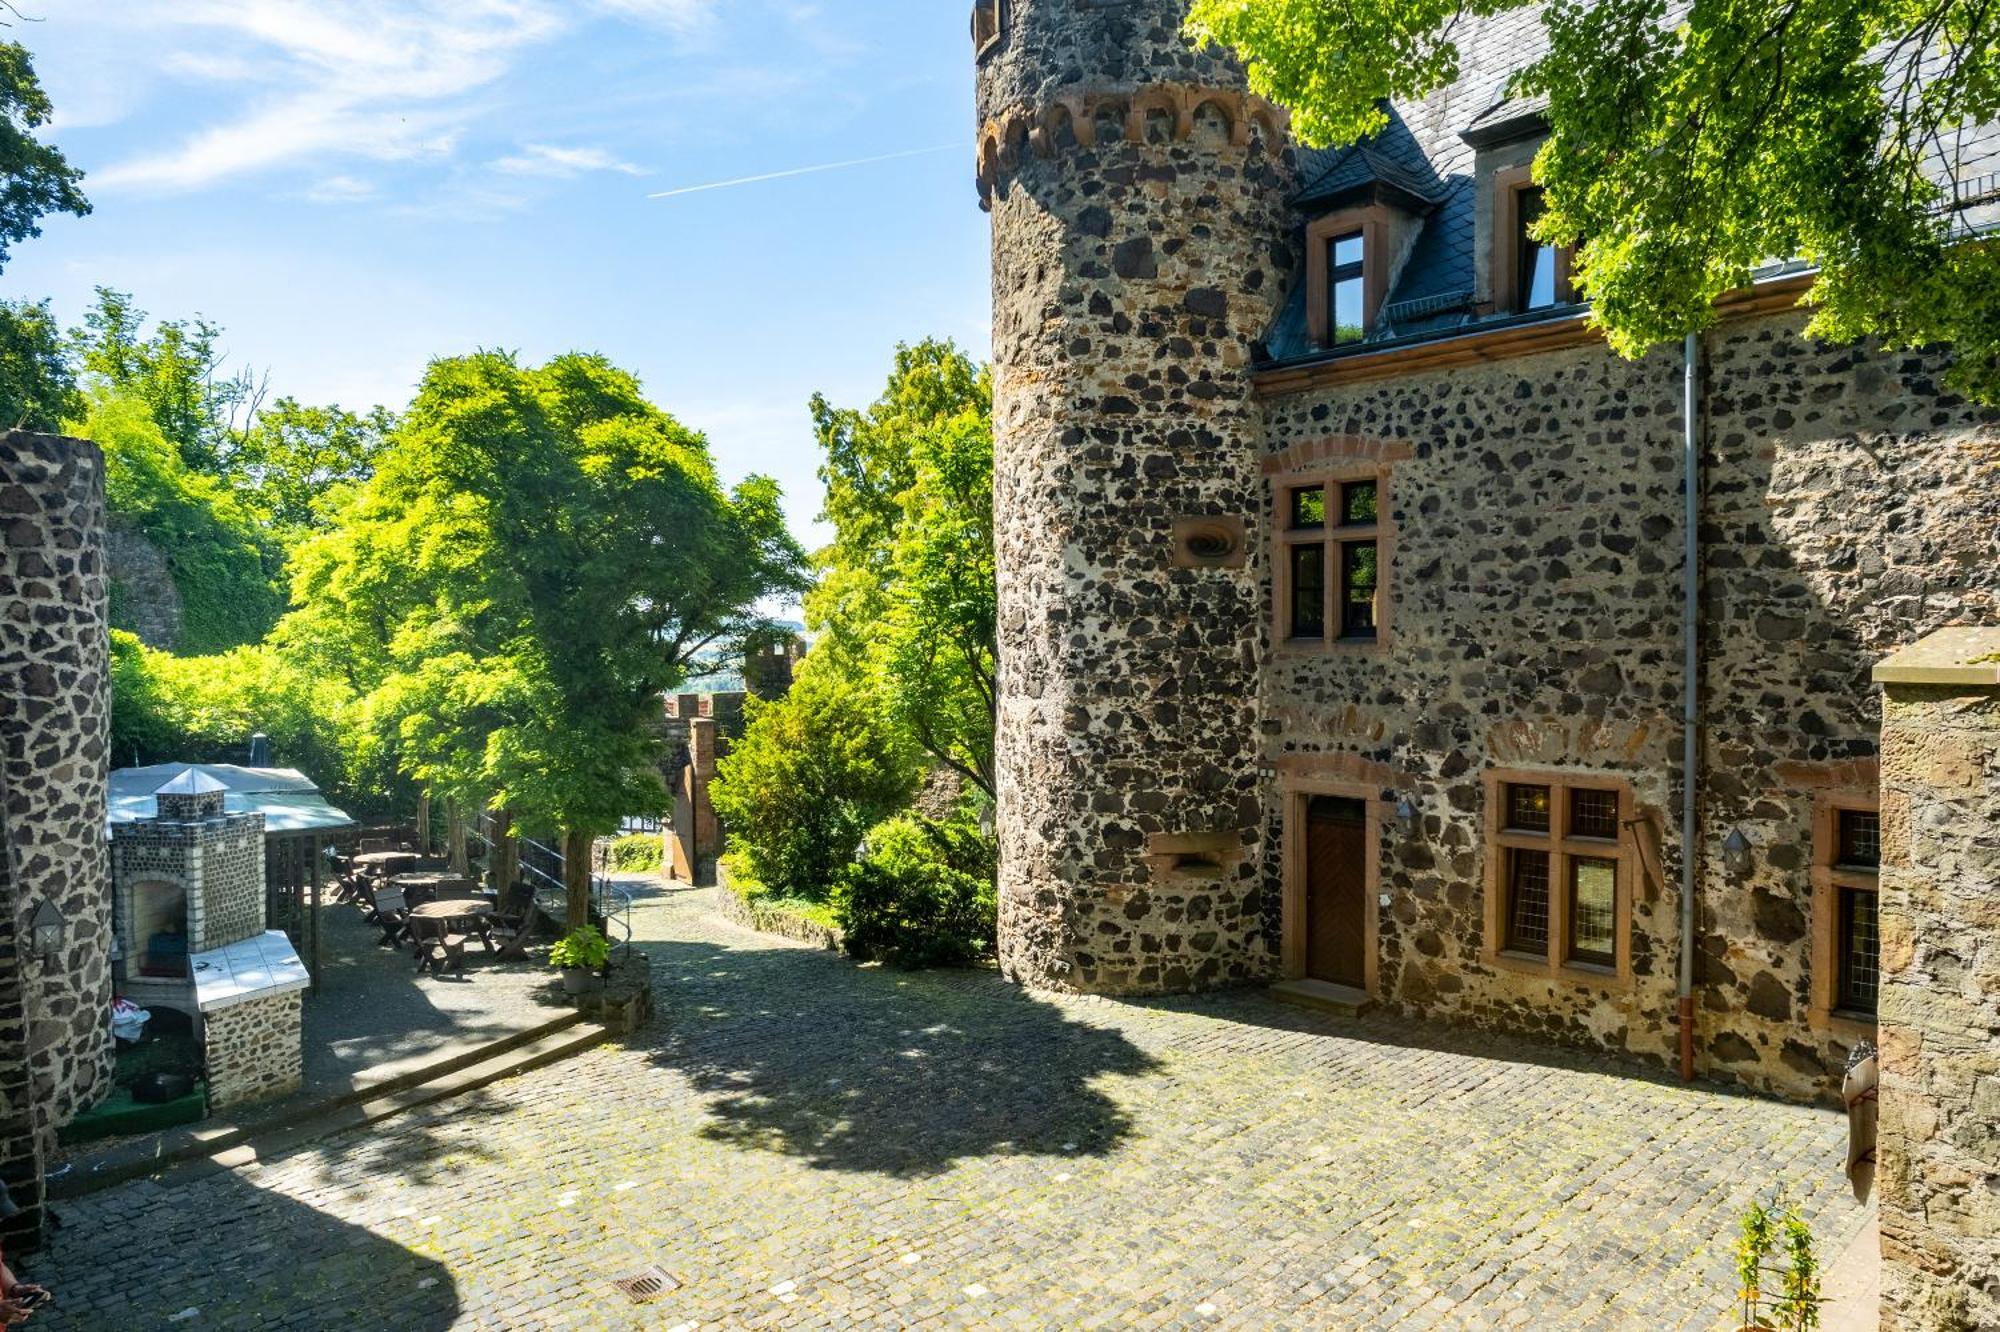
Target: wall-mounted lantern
(1406, 815)
(1736, 851)
(47, 928)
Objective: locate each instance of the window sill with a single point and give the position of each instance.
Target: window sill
(1577, 973)
(1337, 647)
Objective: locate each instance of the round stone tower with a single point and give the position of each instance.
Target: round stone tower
(1140, 246)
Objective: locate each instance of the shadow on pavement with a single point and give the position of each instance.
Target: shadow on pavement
(220, 1253)
(863, 1069)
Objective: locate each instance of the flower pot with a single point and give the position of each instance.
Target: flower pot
(575, 979)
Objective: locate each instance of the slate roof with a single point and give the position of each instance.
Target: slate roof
(1427, 151)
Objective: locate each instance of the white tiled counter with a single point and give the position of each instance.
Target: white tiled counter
(251, 996)
(256, 968)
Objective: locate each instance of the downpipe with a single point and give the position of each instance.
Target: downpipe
(1691, 678)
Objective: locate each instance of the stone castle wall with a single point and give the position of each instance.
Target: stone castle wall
(1938, 1173)
(1536, 604)
(144, 596)
(54, 720)
(1139, 246)
(253, 1051)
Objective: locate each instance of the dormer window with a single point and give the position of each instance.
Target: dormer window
(1346, 266)
(1528, 274)
(1348, 272)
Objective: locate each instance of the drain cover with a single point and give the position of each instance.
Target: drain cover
(647, 1286)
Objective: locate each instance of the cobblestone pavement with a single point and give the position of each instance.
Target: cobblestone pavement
(798, 1142)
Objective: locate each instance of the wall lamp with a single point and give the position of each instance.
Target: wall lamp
(1736, 851)
(47, 928)
(1406, 815)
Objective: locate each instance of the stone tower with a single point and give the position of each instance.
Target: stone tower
(1140, 245)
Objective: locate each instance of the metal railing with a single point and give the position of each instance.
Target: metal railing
(542, 866)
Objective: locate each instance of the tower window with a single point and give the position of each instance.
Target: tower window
(989, 24)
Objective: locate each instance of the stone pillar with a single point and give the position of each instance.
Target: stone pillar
(696, 837)
(54, 736)
(1938, 1172)
(1140, 245)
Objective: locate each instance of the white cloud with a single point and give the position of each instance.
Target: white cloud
(541, 159)
(678, 16)
(341, 189)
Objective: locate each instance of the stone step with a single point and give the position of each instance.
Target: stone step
(1323, 995)
(549, 1049)
(210, 1138)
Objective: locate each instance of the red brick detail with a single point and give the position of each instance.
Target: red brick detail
(1852, 775)
(1342, 766)
(1337, 448)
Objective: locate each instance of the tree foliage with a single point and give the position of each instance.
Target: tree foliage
(177, 370)
(907, 595)
(204, 709)
(293, 460)
(813, 772)
(222, 571)
(1690, 146)
(922, 895)
(537, 558)
(35, 179)
(37, 387)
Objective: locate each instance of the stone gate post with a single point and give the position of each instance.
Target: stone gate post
(1938, 1173)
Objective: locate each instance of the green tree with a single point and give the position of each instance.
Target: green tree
(35, 179)
(907, 593)
(293, 457)
(212, 546)
(538, 558)
(1685, 154)
(37, 388)
(177, 371)
(813, 772)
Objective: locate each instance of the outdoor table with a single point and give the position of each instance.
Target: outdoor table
(471, 911)
(426, 885)
(384, 864)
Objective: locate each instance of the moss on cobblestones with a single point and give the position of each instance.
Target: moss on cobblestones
(803, 1143)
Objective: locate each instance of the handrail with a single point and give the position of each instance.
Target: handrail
(614, 904)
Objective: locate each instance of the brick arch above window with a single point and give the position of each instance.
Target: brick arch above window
(1309, 454)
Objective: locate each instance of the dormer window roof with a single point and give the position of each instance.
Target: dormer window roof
(1509, 120)
(1365, 174)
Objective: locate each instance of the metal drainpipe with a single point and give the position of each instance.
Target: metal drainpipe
(1691, 681)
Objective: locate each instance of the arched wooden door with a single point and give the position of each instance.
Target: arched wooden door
(1337, 891)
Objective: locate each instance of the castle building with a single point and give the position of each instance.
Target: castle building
(1368, 628)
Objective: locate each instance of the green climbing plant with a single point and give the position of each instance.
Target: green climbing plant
(1765, 1231)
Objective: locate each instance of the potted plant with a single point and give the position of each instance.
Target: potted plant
(581, 953)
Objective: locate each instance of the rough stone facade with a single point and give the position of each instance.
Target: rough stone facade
(1137, 198)
(252, 1050)
(1155, 734)
(1536, 590)
(54, 720)
(1938, 1175)
(144, 597)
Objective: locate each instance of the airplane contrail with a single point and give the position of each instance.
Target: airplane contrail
(806, 171)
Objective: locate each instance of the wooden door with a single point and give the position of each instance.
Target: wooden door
(1336, 891)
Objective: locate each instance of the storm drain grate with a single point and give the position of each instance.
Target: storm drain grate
(647, 1286)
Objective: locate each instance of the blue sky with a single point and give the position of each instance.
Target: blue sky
(353, 189)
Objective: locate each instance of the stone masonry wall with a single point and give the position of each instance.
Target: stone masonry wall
(1536, 603)
(54, 719)
(20, 1144)
(1938, 1174)
(144, 596)
(253, 1050)
(1139, 246)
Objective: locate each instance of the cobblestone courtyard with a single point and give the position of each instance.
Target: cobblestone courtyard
(801, 1143)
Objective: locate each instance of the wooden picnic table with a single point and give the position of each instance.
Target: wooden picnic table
(384, 864)
(421, 886)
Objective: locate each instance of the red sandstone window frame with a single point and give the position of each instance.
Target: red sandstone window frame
(1508, 187)
(1829, 879)
(1373, 224)
(1333, 538)
(1563, 849)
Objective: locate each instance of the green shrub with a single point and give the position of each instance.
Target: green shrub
(922, 895)
(638, 853)
(813, 772)
(172, 709)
